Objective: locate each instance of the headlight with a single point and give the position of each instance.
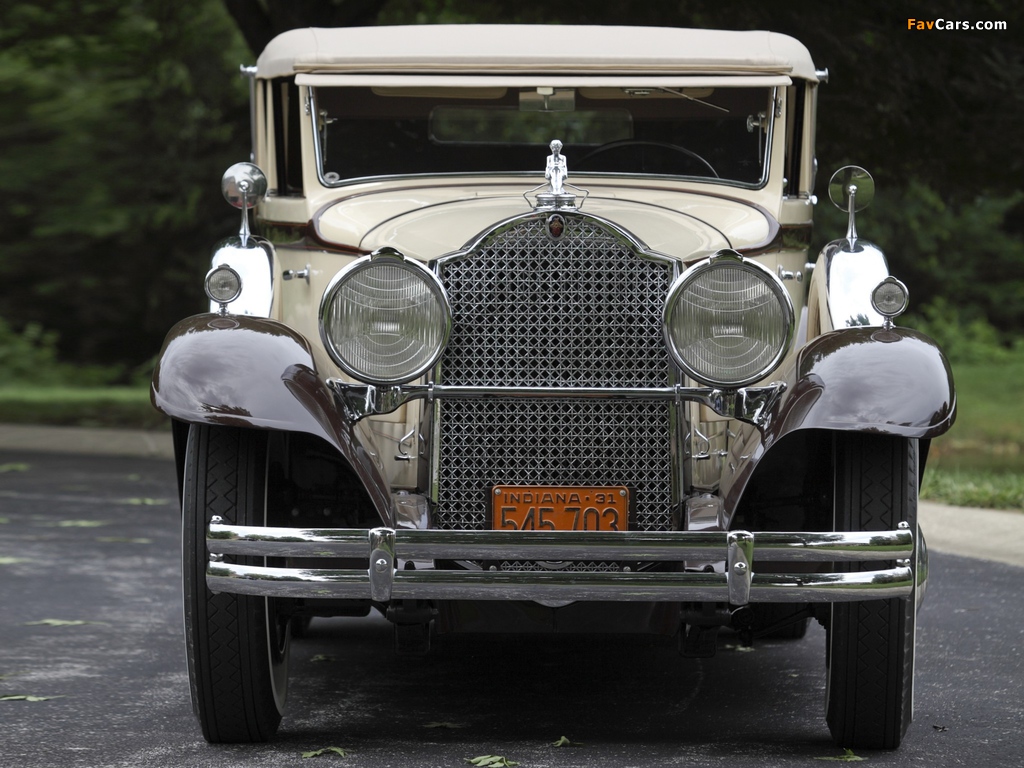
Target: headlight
(890, 298)
(728, 321)
(385, 319)
(223, 284)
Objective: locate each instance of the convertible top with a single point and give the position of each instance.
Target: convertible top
(534, 49)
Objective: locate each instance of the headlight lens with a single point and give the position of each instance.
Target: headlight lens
(223, 284)
(385, 319)
(728, 321)
(890, 298)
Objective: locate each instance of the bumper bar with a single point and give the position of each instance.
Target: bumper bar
(384, 547)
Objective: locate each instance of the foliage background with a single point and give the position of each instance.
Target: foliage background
(117, 118)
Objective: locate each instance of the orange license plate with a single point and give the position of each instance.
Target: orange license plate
(559, 508)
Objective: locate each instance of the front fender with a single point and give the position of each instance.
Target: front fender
(253, 372)
(894, 382)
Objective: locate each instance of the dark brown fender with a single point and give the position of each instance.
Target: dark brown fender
(893, 382)
(253, 372)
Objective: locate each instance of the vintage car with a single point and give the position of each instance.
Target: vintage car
(525, 338)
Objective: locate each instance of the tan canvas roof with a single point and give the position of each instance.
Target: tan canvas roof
(538, 49)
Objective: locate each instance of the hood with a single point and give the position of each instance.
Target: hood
(429, 222)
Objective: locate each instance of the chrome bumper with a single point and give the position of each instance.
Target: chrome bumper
(739, 584)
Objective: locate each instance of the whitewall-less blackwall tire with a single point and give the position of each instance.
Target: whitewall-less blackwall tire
(871, 644)
(237, 645)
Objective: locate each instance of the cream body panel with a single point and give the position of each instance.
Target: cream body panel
(427, 223)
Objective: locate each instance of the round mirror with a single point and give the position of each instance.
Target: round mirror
(243, 184)
(844, 180)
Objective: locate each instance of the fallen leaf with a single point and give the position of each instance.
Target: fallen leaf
(564, 742)
(60, 622)
(941, 728)
(82, 523)
(322, 657)
(846, 757)
(491, 761)
(24, 697)
(4, 520)
(452, 726)
(122, 540)
(14, 467)
(12, 560)
(145, 502)
(326, 751)
(740, 648)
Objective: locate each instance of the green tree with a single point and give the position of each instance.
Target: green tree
(119, 117)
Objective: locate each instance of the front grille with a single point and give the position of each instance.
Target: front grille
(582, 311)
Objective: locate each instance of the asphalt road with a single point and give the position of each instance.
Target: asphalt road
(94, 539)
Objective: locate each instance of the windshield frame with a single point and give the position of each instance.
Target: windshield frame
(773, 115)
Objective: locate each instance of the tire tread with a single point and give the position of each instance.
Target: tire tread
(232, 692)
(871, 642)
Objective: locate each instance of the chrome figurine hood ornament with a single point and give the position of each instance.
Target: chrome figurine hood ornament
(555, 172)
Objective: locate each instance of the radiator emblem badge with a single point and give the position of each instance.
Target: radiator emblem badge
(556, 226)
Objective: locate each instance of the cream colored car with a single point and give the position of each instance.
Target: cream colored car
(525, 337)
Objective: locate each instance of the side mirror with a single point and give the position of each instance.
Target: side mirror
(244, 185)
(851, 189)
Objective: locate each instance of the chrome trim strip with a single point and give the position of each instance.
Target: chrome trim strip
(383, 547)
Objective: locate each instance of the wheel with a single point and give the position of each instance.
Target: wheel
(236, 645)
(870, 663)
(621, 144)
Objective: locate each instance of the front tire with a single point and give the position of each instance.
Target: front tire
(870, 665)
(236, 645)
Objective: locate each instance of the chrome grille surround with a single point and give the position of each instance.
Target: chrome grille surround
(530, 310)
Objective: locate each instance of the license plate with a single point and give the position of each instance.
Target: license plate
(559, 508)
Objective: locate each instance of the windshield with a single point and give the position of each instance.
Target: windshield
(692, 132)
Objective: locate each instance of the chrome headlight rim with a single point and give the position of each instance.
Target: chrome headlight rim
(211, 292)
(430, 280)
(881, 307)
(730, 259)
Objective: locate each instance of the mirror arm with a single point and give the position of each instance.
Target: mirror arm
(851, 227)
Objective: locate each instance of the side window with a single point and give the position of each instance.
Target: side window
(287, 144)
(796, 96)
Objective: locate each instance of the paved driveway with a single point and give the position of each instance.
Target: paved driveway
(93, 540)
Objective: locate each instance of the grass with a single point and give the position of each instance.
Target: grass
(980, 461)
(975, 488)
(79, 406)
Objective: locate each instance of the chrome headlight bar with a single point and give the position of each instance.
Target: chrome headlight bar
(745, 403)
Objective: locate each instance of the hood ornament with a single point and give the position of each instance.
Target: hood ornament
(556, 172)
